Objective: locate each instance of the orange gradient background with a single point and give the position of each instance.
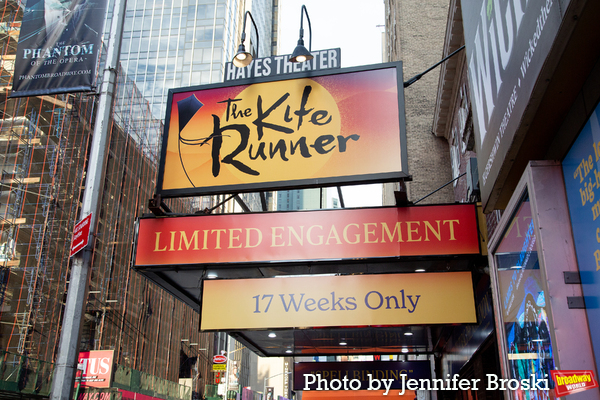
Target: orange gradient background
(363, 103)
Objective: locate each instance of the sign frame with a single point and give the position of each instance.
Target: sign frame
(400, 173)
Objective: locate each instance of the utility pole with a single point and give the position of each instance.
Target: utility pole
(68, 348)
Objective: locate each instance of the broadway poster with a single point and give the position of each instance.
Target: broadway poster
(58, 46)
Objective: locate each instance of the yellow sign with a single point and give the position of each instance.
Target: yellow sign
(219, 367)
(353, 300)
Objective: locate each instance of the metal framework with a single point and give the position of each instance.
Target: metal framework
(44, 145)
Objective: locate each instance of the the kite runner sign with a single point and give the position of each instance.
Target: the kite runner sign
(312, 129)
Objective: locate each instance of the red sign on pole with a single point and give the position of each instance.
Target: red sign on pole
(219, 359)
(81, 234)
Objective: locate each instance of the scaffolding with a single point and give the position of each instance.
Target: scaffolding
(44, 145)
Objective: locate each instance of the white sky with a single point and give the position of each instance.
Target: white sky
(351, 25)
(355, 26)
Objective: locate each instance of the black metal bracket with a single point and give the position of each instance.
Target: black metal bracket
(572, 277)
(158, 206)
(576, 302)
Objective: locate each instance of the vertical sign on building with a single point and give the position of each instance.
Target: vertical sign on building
(507, 43)
(58, 46)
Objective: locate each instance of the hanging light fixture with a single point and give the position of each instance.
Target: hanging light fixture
(243, 58)
(300, 53)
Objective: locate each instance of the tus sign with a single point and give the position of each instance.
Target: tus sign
(97, 367)
(317, 129)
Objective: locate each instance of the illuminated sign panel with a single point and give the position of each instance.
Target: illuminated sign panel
(308, 235)
(315, 129)
(351, 300)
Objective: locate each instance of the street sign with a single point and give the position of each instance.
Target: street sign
(81, 234)
(219, 359)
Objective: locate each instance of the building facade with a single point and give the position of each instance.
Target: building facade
(44, 146)
(520, 117)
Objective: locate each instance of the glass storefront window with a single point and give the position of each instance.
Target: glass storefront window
(523, 301)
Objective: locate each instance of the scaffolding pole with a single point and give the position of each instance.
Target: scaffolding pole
(66, 363)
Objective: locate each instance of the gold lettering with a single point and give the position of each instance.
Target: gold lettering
(248, 245)
(157, 241)
(597, 257)
(452, 221)
(205, 242)
(218, 231)
(514, 223)
(333, 235)
(356, 236)
(275, 235)
(370, 232)
(596, 210)
(172, 248)
(320, 237)
(386, 230)
(411, 230)
(233, 237)
(437, 234)
(299, 238)
(183, 238)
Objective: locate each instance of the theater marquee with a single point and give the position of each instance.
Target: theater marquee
(351, 300)
(308, 235)
(315, 128)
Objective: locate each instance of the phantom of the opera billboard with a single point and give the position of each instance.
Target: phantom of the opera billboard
(58, 47)
(314, 128)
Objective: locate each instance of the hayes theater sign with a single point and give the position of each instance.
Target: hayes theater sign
(315, 128)
(308, 235)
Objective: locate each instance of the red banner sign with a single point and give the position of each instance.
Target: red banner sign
(308, 235)
(96, 368)
(81, 234)
(573, 381)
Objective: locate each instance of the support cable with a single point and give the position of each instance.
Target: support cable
(419, 76)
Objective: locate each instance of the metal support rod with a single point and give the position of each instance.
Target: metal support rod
(419, 76)
(339, 190)
(68, 350)
(440, 188)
